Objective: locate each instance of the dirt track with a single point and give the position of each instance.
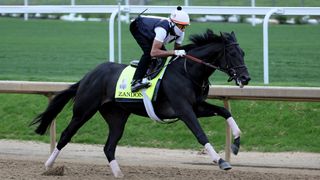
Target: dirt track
(24, 160)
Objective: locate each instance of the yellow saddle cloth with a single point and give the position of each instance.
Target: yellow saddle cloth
(123, 88)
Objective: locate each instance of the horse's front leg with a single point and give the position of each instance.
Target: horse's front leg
(205, 109)
(188, 116)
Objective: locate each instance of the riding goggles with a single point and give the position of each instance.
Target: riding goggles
(182, 27)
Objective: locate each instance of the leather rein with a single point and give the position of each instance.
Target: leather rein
(229, 70)
(201, 61)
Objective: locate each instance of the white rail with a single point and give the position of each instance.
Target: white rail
(266, 11)
(224, 10)
(225, 93)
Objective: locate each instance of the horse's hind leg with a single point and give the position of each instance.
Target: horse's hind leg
(84, 108)
(206, 110)
(116, 119)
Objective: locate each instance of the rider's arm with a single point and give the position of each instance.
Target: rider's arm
(156, 50)
(157, 44)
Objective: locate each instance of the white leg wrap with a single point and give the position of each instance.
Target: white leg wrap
(214, 156)
(116, 169)
(234, 127)
(52, 158)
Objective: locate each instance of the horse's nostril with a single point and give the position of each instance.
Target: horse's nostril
(245, 79)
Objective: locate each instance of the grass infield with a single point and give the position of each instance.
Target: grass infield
(50, 50)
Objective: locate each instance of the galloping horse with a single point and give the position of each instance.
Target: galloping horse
(181, 95)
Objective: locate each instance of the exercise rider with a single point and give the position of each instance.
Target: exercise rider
(152, 33)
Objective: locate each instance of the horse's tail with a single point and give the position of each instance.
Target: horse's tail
(54, 108)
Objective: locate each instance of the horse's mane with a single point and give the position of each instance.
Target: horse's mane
(206, 38)
(198, 40)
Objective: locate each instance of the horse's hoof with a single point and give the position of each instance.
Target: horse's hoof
(48, 165)
(224, 165)
(115, 168)
(118, 175)
(235, 146)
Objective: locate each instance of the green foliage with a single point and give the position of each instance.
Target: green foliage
(50, 50)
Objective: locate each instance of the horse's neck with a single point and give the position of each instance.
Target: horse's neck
(199, 71)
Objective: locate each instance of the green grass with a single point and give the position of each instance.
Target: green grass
(50, 50)
(266, 126)
(72, 49)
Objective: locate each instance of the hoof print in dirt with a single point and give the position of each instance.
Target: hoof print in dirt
(55, 171)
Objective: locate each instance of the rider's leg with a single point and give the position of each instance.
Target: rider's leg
(144, 62)
(141, 70)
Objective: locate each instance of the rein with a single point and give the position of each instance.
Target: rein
(201, 61)
(229, 70)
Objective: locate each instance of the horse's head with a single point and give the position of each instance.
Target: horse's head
(221, 52)
(232, 61)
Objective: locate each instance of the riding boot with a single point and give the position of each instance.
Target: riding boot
(136, 85)
(140, 72)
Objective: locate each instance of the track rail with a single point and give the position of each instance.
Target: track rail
(225, 93)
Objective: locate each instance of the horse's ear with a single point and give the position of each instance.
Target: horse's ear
(234, 36)
(210, 32)
(222, 36)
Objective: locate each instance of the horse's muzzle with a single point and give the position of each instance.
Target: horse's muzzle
(243, 80)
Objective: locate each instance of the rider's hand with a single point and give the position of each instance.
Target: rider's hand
(179, 52)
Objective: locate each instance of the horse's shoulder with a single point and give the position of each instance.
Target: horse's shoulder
(112, 66)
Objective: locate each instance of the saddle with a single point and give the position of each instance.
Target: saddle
(154, 69)
(154, 75)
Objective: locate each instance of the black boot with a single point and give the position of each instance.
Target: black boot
(136, 85)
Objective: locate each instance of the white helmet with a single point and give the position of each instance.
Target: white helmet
(179, 16)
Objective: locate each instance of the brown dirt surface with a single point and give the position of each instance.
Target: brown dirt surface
(25, 160)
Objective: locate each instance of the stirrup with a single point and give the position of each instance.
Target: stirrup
(134, 63)
(139, 85)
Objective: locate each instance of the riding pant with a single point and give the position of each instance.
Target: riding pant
(146, 46)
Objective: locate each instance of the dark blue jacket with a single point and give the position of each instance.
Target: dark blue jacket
(146, 26)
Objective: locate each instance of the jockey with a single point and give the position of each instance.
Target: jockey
(152, 33)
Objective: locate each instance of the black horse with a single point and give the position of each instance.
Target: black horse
(182, 95)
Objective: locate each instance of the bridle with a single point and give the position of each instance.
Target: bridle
(231, 71)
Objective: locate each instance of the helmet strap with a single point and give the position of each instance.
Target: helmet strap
(171, 29)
